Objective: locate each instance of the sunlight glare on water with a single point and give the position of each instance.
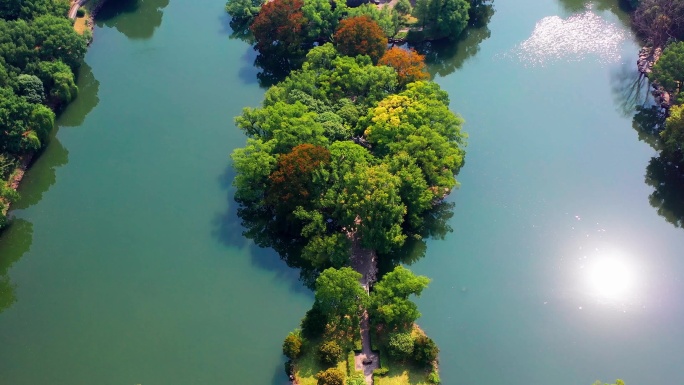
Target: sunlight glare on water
(572, 39)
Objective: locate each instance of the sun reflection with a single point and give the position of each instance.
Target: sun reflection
(572, 39)
(611, 278)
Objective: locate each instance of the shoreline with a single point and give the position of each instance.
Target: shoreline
(19, 172)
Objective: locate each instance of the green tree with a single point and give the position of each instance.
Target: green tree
(389, 299)
(329, 352)
(400, 345)
(404, 7)
(673, 135)
(418, 122)
(669, 70)
(58, 40)
(386, 17)
(339, 294)
(292, 346)
(451, 18)
(31, 87)
(58, 80)
(243, 11)
(425, 350)
(288, 125)
(323, 17)
(327, 251)
(332, 376)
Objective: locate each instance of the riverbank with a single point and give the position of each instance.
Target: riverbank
(81, 26)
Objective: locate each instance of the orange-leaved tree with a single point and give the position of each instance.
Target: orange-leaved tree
(361, 35)
(291, 182)
(409, 64)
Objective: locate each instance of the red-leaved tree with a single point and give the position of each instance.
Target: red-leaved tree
(291, 182)
(361, 35)
(278, 29)
(409, 64)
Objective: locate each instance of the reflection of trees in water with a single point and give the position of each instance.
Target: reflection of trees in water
(444, 57)
(42, 175)
(619, 8)
(15, 240)
(259, 226)
(630, 88)
(86, 101)
(666, 175)
(143, 16)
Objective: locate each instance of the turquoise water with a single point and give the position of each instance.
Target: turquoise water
(126, 264)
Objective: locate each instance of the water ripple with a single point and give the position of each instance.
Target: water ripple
(572, 39)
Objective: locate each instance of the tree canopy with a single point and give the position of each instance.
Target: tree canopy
(669, 70)
(389, 299)
(342, 147)
(361, 35)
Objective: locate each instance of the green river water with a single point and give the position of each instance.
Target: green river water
(126, 263)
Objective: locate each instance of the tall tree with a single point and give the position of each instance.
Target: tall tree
(339, 295)
(409, 64)
(669, 70)
(361, 35)
(389, 299)
(278, 31)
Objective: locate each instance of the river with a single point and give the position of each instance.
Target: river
(126, 263)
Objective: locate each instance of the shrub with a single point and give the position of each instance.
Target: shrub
(433, 378)
(400, 345)
(80, 12)
(356, 379)
(330, 352)
(292, 346)
(424, 350)
(332, 376)
(404, 7)
(381, 371)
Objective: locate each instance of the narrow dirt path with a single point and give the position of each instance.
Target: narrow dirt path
(364, 261)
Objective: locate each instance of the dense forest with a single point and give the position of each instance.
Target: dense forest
(39, 55)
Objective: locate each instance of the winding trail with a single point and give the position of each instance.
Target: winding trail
(364, 261)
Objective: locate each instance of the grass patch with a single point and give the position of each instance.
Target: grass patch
(308, 365)
(80, 25)
(403, 374)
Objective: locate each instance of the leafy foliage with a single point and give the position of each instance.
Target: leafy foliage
(277, 31)
(332, 376)
(673, 135)
(324, 158)
(669, 70)
(409, 64)
(361, 35)
(658, 21)
(329, 352)
(400, 345)
(389, 299)
(425, 350)
(443, 18)
(292, 346)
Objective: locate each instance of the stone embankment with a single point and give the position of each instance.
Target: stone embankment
(648, 56)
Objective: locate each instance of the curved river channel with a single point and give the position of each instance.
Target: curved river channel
(126, 263)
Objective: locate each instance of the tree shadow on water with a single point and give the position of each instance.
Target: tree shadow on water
(240, 227)
(665, 174)
(630, 88)
(444, 57)
(86, 101)
(143, 17)
(15, 241)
